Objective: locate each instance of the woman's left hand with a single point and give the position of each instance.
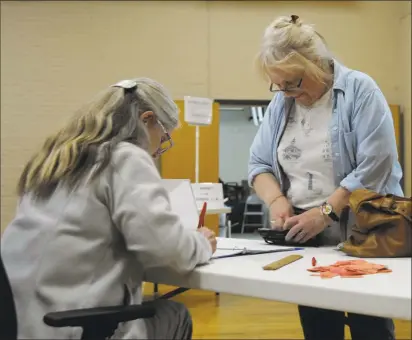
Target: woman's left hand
(305, 226)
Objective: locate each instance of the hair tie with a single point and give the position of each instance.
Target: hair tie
(294, 18)
(126, 84)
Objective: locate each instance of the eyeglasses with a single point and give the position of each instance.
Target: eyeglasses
(293, 88)
(166, 141)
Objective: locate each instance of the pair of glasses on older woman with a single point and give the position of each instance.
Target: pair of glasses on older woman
(290, 87)
(166, 141)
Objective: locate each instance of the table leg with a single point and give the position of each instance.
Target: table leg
(178, 291)
(229, 228)
(173, 293)
(155, 289)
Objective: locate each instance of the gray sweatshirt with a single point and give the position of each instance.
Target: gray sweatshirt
(90, 247)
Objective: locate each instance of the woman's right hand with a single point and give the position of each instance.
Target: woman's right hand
(210, 236)
(280, 210)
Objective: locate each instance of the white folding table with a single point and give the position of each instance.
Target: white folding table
(385, 295)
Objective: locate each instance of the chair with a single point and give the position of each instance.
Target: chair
(226, 223)
(254, 214)
(246, 189)
(97, 323)
(8, 321)
(232, 191)
(236, 215)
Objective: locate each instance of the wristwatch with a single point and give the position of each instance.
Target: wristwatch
(327, 210)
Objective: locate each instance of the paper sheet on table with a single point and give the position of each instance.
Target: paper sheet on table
(183, 201)
(230, 246)
(225, 252)
(236, 243)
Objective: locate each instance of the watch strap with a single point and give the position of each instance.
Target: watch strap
(331, 214)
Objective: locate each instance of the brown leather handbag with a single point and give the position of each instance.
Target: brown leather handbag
(383, 225)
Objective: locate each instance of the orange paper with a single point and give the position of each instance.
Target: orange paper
(349, 269)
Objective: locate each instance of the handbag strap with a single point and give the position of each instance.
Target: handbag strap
(398, 205)
(401, 210)
(343, 223)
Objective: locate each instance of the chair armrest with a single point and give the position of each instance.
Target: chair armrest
(99, 315)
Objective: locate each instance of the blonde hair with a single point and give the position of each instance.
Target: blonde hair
(291, 45)
(89, 138)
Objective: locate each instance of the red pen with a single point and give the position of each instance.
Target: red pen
(202, 216)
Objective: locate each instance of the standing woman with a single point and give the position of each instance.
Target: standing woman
(327, 131)
(93, 216)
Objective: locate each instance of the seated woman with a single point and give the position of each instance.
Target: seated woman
(93, 216)
(327, 131)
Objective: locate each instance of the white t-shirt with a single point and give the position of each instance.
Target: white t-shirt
(305, 155)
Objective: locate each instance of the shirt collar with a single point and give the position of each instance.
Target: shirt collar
(340, 75)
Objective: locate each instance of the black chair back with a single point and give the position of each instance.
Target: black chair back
(8, 317)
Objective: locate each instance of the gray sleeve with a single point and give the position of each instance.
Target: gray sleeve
(142, 212)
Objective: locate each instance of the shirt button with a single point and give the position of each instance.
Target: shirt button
(335, 128)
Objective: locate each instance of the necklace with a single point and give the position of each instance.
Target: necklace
(304, 112)
(304, 120)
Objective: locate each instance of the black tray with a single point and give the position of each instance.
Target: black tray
(277, 237)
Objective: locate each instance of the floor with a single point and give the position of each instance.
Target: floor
(235, 317)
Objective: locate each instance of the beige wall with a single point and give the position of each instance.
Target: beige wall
(55, 55)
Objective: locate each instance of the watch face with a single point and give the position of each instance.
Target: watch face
(326, 209)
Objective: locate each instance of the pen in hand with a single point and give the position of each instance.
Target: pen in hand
(210, 235)
(202, 216)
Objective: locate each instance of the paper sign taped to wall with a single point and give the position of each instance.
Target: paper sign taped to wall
(198, 111)
(183, 201)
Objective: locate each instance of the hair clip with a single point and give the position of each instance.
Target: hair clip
(126, 84)
(294, 18)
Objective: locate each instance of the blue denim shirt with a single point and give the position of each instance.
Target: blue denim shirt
(362, 135)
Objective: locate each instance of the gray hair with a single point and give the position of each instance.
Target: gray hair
(157, 99)
(287, 37)
(89, 138)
